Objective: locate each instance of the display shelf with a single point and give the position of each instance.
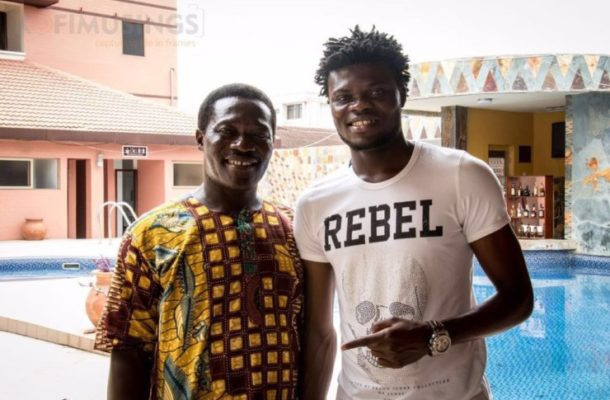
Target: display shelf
(530, 194)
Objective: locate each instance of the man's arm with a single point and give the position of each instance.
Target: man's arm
(320, 342)
(398, 342)
(129, 376)
(501, 258)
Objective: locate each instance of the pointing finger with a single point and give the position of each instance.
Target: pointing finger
(363, 341)
(385, 323)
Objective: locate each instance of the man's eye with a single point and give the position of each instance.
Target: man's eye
(224, 131)
(377, 92)
(341, 99)
(262, 135)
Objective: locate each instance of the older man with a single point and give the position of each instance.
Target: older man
(207, 291)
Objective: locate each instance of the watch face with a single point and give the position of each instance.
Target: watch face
(442, 343)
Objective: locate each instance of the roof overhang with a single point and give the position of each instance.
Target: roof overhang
(525, 83)
(88, 136)
(36, 3)
(515, 102)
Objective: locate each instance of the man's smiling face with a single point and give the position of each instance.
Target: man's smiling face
(237, 142)
(365, 102)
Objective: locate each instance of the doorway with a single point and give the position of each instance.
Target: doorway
(497, 162)
(77, 199)
(126, 181)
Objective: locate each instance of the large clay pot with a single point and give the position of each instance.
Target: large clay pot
(33, 229)
(96, 299)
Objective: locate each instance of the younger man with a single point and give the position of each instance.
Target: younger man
(396, 232)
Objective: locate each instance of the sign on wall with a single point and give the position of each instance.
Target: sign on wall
(135, 151)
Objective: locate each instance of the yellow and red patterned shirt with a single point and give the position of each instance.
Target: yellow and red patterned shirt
(215, 298)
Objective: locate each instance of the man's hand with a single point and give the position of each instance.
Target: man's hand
(395, 342)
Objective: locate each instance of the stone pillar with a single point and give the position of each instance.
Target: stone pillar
(454, 123)
(587, 201)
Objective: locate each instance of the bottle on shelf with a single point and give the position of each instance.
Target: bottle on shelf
(541, 211)
(520, 190)
(512, 211)
(513, 191)
(526, 192)
(535, 191)
(526, 211)
(541, 191)
(533, 210)
(519, 214)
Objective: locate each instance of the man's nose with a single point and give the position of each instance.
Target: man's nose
(360, 103)
(242, 143)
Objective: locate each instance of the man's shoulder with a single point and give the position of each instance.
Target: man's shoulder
(282, 209)
(172, 215)
(446, 155)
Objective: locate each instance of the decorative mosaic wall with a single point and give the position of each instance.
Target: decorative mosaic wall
(588, 172)
(422, 127)
(292, 170)
(563, 72)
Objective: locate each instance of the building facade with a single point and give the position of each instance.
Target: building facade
(86, 90)
(546, 115)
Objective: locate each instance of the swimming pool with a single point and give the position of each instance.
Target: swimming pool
(563, 350)
(44, 268)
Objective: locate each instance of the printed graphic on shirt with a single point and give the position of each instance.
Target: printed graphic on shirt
(384, 286)
(399, 220)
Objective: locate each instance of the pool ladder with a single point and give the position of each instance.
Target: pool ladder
(115, 205)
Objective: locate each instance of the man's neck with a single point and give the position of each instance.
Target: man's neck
(382, 163)
(226, 200)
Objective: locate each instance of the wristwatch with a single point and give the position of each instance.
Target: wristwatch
(439, 341)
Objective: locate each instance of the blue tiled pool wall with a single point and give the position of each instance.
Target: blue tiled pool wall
(560, 262)
(561, 351)
(46, 267)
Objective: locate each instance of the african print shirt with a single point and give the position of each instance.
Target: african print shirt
(215, 298)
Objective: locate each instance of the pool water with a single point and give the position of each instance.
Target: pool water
(563, 350)
(44, 268)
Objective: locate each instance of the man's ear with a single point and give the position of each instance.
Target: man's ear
(199, 138)
(403, 96)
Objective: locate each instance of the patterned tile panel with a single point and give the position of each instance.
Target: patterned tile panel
(292, 170)
(561, 72)
(588, 172)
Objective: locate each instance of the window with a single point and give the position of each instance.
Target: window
(3, 32)
(11, 28)
(42, 173)
(188, 174)
(46, 173)
(133, 38)
(293, 111)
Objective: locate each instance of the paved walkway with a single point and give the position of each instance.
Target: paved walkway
(53, 248)
(35, 370)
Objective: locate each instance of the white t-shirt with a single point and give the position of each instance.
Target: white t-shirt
(400, 248)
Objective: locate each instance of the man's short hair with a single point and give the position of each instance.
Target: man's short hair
(363, 47)
(232, 90)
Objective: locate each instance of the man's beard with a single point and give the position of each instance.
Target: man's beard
(380, 142)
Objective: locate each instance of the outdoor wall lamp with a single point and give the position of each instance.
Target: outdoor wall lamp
(100, 160)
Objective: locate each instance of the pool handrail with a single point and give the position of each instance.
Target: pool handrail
(119, 205)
